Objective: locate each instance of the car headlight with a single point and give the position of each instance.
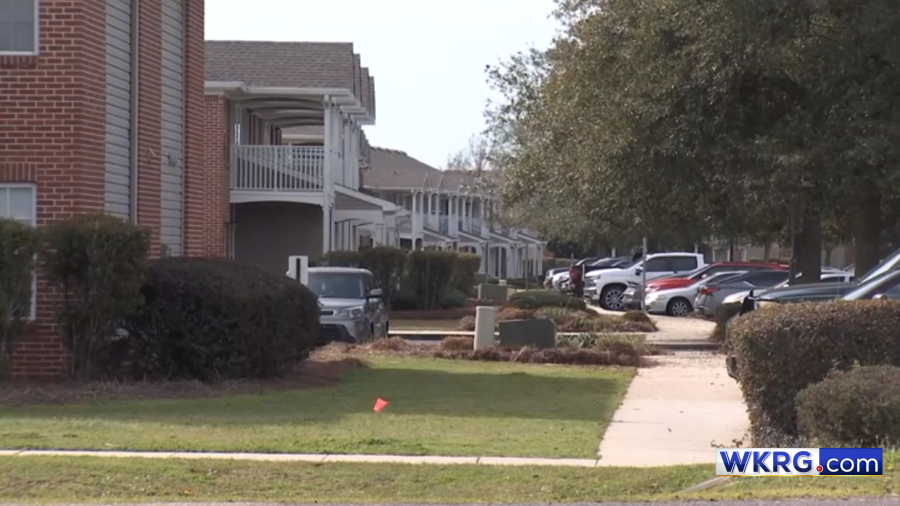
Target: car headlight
(352, 312)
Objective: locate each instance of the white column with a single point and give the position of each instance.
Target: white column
(328, 166)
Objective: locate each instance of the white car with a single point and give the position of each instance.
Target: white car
(606, 287)
(679, 301)
(827, 277)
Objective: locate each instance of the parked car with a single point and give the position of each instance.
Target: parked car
(607, 286)
(680, 301)
(561, 280)
(826, 277)
(352, 308)
(548, 278)
(886, 286)
(705, 271)
(712, 295)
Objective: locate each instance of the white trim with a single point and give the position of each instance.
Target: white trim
(5, 187)
(350, 192)
(36, 46)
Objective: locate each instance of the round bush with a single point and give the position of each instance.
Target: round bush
(859, 407)
(783, 349)
(534, 299)
(213, 319)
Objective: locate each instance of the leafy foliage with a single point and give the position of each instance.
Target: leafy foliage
(212, 319)
(782, 350)
(97, 262)
(535, 299)
(19, 245)
(744, 111)
(859, 407)
(430, 275)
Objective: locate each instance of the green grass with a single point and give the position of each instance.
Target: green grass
(437, 407)
(92, 479)
(425, 324)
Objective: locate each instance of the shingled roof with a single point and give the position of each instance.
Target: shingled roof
(281, 64)
(391, 168)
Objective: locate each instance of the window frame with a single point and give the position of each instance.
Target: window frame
(6, 187)
(36, 43)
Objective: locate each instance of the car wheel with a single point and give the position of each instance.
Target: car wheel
(611, 298)
(678, 307)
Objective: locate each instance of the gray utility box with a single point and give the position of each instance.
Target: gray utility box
(540, 334)
(492, 292)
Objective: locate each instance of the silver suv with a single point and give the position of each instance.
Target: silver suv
(351, 305)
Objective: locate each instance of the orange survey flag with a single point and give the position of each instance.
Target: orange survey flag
(380, 404)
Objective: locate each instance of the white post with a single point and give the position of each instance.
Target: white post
(298, 268)
(485, 317)
(644, 276)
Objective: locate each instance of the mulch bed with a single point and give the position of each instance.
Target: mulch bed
(319, 371)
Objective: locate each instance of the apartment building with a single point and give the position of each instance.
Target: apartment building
(451, 210)
(101, 109)
(285, 128)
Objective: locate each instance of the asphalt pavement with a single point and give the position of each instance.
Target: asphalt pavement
(797, 502)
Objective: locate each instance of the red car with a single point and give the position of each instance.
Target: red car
(697, 275)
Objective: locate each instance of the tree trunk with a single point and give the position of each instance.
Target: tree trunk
(809, 249)
(869, 230)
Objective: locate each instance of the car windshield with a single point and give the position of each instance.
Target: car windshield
(719, 277)
(336, 285)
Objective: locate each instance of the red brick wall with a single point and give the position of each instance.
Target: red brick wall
(195, 223)
(215, 213)
(52, 132)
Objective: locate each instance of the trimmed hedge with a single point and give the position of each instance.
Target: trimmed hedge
(859, 407)
(388, 265)
(724, 314)
(19, 245)
(466, 267)
(534, 299)
(781, 350)
(213, 319)
(430, 273)
(97, 262)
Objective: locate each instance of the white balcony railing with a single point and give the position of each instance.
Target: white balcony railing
(278, 168)
(405, 227)
(431, 221)
(476, 227)
(444, 224)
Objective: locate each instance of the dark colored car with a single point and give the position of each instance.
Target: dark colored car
(886, 286)
(688, 279)
(712, 295)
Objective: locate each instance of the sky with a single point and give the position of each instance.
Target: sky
(428, 58)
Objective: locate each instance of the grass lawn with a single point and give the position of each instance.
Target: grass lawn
(425, 324)
(437, 407)
(93, 479)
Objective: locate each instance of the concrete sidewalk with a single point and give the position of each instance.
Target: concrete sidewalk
(317, 458)
(674, 412)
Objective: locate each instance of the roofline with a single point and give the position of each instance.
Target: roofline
(385, 205)
(343, 97)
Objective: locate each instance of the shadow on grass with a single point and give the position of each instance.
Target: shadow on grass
(409, 391)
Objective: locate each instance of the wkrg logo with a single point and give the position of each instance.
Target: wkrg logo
(800, 462)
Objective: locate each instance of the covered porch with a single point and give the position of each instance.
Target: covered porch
(362, 219)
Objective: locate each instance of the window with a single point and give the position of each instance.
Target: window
(19, 27)
(658, 265)
(17, 201)
(683, 264)
(765, 279)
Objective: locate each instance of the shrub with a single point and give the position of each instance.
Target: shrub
(387, 265)
(216, 319)
(457, 343)
(637, 317)
(342, 259)
(97, 262)
(724, 314)
(561, 355)
(781, 350)
(429, 275)
(859, 407)
(19, 244)
(467, 265)
(533, 299)
(452, 299)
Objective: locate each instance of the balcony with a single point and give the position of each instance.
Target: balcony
(444, 224)
(405, 227)
(278, 168)
(476, 227)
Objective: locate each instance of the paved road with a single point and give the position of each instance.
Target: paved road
(797, 502)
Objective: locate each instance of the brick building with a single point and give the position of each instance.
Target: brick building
(102, 109)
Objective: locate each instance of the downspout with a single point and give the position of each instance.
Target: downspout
(134, 144)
